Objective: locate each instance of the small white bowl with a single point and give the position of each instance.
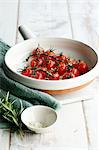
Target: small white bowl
(39, 118)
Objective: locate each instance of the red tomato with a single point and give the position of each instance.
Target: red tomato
(75, 63)
(73, 75)
(55, 76)
(42, 56)
(26, 72)
(33, 63)
(62, 57)
(82, 67)
(53, 58)
(40, 75)
(75, 72)
(43, 59)
(50, 53)
(40, 61)
(61, 68)
(67, 75)
(50, 64)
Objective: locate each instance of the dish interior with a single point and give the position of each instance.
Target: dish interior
(39, 114)
(16, 57)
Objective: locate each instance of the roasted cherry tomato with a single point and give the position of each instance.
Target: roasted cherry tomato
(39, 75)
(50, 53)
(43, 68)
(50, 65)
(40, 61)
(54, 76)
(75, 72)
(61, 68)
(26, 72)
(75, 63)
(62, 57)
(33, 63)
(67, 75)
(82, 67)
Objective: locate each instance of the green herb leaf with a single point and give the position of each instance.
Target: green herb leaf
(9, 113)
(48, 73)
(70, 66)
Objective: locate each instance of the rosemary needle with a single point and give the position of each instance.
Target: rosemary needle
(10, 114)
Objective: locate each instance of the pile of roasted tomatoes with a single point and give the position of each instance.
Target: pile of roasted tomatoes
(52, 65)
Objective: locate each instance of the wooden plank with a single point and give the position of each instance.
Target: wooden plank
(4, 139)
(90, 110)
(91, 114)
(8, 20)
(45, 18)
(83, 94)
(68, 133)
(97, 104)
(85, 22)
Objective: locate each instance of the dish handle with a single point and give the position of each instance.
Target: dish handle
(26, 32)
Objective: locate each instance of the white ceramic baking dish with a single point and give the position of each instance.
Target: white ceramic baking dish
(16, 55)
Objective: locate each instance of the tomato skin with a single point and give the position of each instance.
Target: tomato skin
(61, 68)
(50, 64)
(55, 76)
(75, 63)
(42, 56)
(40, 61)
(83, 67)
(62, 58)
(71, 74)
(53, 58)
(39, 75)
(67, 75)
(26, 72)
(33, 63)
(43, 68)
(50, 53)
(75, 72)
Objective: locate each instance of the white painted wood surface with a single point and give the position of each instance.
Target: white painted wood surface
(77, 19)
(4, 136)
(69, 133)
(8, 20)
(84, 27)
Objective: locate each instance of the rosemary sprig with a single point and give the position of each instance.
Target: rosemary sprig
(9, 113)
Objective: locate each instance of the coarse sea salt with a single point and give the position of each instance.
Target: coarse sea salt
(37, 124)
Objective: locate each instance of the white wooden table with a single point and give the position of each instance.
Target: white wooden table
(76, 19)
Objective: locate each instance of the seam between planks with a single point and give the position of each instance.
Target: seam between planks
(63, 103)
(9, 139)
(68, 8)
(86, 124)
(17, 23)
